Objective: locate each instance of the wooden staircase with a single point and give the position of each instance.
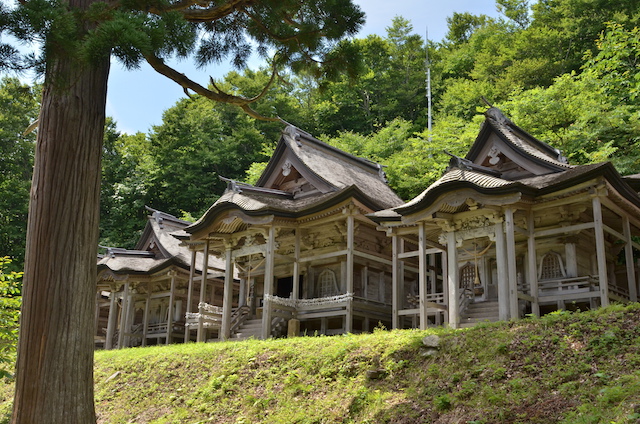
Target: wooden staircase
(479, 312)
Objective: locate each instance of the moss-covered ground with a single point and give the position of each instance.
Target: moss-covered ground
(564, 367)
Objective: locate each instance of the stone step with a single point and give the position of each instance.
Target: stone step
(252, 325)
(480, 312)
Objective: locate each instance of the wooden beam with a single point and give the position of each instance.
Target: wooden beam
(564, 230)
(373, 258)
(613, 232)
(600, 252)
(628, 255)
(504, 309)
(415, 253)
(123, 315)
(227, 297)
(395, 281)
(203, 288)
(268, 283)
(453, 281)
(634, 220)
(511, 264)
(111, 321)
(348, 326)
(192, 273)
(323, 256)
(296, 265)
(172, 298)
(145, 317)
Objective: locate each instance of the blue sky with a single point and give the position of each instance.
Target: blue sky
(137, 99)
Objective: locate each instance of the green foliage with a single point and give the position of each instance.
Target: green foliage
(10, 300)
(562, 368)
(196, 144)
(617, 63)
(390, 85)
(18, 109)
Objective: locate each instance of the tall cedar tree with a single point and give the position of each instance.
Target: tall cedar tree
(54, 382)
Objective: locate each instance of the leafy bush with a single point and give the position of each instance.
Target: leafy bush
(10, 299)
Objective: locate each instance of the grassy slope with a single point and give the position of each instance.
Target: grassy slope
(572, 368)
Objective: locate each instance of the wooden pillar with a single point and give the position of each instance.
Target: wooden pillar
(532, 267)
(433, 279)
(203, 287)
(123, 314)
(111, 321)
(601, 257)
(172, 297)
(268, 283)
(453, 280)
(503, 278)
(96, 316)
(296, 267)
(512, 272)
(422, 277)
(242, 295)
(227, 299)
(348, 325)
(445, 281)
(192, 273)
(145, 318)
(395, 278)
(628, 255)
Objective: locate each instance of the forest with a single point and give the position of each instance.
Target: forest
(567, 71)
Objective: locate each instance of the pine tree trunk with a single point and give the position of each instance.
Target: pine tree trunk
(54, 382)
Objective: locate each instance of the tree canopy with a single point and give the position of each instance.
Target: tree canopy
(74, 42)
(567, 71)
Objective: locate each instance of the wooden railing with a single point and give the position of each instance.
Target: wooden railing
(568, 288)
(209, 315)
(621, 294)
(238, 316)
(328, 307)
(465, 299)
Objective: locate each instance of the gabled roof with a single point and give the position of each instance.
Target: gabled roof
(156, 249)
(303, 176)
(458, 179)
(543, 171)
(500, 141)
(633, 181)
(327, 167)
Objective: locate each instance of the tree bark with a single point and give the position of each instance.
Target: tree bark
(54, 382)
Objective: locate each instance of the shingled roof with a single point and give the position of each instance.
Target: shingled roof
(155, 251)
(305, 175)
(542, 169)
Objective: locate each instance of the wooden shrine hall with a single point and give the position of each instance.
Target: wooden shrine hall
(143, 295)
(321, 245)
(309, 259)
(513, 229)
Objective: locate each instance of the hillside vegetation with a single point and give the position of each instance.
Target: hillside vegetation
(564, 367)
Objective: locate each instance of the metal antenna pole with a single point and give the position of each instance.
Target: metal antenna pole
(428, 63)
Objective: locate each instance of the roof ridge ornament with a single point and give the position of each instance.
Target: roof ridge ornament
(232, 185)
(466, 164)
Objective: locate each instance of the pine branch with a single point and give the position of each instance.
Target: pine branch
(219, 96)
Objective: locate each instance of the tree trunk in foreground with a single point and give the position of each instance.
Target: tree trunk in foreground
(54, 382)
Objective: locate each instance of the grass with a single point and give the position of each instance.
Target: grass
(564, 367)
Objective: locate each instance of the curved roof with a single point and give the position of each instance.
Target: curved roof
(520, 141)
(335, 176)
(261, 204)
(155, 251)
(457, 179)
(331, 165)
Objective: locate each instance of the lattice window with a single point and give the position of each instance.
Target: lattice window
(467, 276)
(551, 267)
(327, 284)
